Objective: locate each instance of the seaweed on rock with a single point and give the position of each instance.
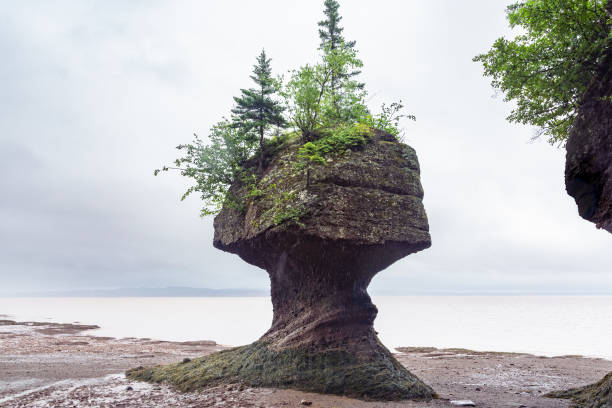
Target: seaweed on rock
(598, 395)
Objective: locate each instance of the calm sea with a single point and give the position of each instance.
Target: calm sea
(542, 325)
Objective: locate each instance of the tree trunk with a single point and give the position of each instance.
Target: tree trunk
(261, 150)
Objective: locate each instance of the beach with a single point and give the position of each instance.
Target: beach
(62, 365)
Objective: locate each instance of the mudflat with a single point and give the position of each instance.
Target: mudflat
(63, 365)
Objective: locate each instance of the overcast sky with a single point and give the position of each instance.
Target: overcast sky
(94, 95)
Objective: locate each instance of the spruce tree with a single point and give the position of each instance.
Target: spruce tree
(331, 32)
(332, 39)
(256, 110)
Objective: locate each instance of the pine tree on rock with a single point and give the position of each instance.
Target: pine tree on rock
(331, 37)
(331, 32)
(256, 110)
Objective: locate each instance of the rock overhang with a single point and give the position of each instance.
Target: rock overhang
(367, 201)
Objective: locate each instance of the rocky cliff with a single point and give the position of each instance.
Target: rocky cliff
(321, 232)
(588, 178)
(588, 168)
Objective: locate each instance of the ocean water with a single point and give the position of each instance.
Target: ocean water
(541, 325)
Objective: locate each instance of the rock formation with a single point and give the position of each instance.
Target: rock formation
(598, 395)
(588, 167)
(321, 243)
(588, 178)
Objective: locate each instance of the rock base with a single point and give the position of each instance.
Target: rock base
(598, 395)
(378, 377)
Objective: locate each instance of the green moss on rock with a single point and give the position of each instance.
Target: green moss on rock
(380, 377)
(598, 395)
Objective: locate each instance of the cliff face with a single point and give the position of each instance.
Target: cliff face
(588, 178)
(588, 167)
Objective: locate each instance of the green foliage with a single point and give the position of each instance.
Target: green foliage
(548, 66)
(310, 154)
(215, 166)
(333, 142)
(332, 40)
(256, 110)
(323, 102)
(325, 95)
(343, 138)
(305, 97)
(346, 96)
(311, 100)
(388, 120)
(253, 191)
(330, 32)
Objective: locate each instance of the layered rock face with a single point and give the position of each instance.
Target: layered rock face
(321, 242)
(588, 167)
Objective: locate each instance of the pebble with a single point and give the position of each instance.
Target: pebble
(129, 388)
(463, 403)
(304, 402)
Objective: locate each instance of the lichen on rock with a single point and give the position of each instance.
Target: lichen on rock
(321, 243)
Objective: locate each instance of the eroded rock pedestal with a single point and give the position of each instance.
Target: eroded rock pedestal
(321, 246)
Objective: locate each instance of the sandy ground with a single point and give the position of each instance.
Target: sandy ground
(60, 365)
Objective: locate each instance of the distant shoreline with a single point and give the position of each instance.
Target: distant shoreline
(230, 292)
(141, 292)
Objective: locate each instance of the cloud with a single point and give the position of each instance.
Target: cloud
(97, 94)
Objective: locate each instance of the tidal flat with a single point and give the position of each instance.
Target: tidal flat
(62, 365)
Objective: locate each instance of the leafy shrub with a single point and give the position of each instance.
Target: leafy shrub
(216, 166)
(388, 120)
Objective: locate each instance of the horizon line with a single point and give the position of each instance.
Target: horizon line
(186, 291)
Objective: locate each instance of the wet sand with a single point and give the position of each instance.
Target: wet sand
(61, 365)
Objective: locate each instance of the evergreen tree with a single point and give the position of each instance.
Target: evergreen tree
(331, 32)
(256, 110)
(333, 42)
